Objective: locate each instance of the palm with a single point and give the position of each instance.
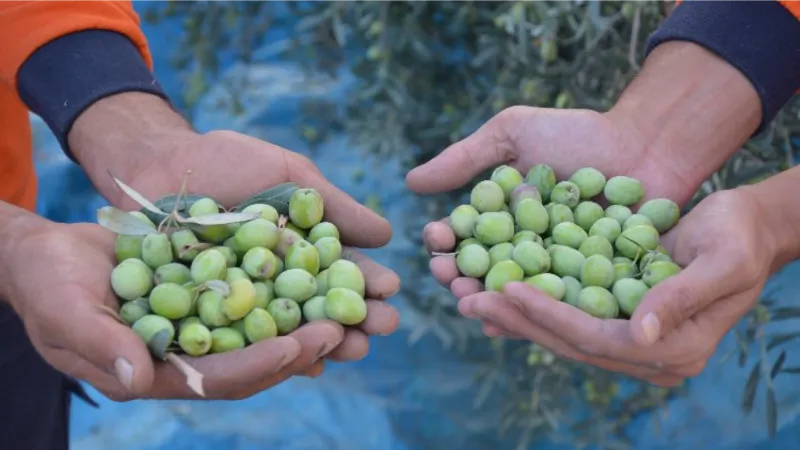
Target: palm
(227, 166)
(568, 140)
(230, 167)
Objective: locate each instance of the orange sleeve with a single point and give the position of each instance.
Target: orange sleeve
(793, 7)
(25, 26)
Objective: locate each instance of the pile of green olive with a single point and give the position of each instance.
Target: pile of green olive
(197, 287)
(556, 236)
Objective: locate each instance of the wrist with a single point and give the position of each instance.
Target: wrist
(778, 208)
(688, 110)
(126, 134)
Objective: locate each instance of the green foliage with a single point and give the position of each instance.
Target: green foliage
(426, 75)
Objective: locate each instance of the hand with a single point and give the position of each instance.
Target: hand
(567, 140)
(58, 283)
(692, 311)
(727, 257)
(230, 167)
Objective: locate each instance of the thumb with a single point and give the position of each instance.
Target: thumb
(359, 225)
(110, 346)
(489, 146)
(678, 298)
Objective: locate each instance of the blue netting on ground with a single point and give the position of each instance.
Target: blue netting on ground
(401, 397)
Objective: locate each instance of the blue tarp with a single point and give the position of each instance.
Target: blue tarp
(400, 397)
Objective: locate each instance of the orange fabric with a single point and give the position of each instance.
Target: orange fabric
(793, 7)
(24, 27)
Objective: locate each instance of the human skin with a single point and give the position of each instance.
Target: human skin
(685, 114)
(151, 148)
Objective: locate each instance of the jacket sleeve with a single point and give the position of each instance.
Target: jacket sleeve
(760, 38)
(61, 57)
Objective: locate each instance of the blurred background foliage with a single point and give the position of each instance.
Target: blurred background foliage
(426, 75)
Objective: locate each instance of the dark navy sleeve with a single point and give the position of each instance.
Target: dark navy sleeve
(67, 75)
(760, 38)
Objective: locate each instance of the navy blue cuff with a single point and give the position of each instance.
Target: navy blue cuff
(67, 75)
(760, 38)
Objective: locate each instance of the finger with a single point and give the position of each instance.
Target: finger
(381, 283)
(670, 303)
(604, 338)
(102, 341)
(492, 330)
(382, 319)
(315, 370)
(359, 226)
(354, 347)
(72, 364)
(263, 363)
(224, 373)
(496, 308)
(462, 161)
(667, 381)
(439, 237)
(464, 286)
(443, 269)
(315, 342)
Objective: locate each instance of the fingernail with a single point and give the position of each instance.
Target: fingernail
(124, 371)
(651, 327)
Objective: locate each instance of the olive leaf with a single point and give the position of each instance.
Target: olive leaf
(791, 370)
(180, 203)
(159, 343)
(750, 388)
(194, 378)
(778, 365)
(137, 197)
(743, 357)
(121, 222)
(779, 339)
(785, 313)
(218, 286)
(278, 197)
(772, 412)
(219, 219)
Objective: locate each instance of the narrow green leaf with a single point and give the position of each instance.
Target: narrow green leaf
(184, 202)
(219, 219)
(278, 197)
(772, 413)
(785, 313)
(778, 365)
(121, 222)
(791, 370)
(742, 357)
(750, 388)
(137, 197)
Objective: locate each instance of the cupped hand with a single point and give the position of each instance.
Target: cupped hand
(59, 287)
(727, 258)
(521, 137)
(230, 167)
(678, 324)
